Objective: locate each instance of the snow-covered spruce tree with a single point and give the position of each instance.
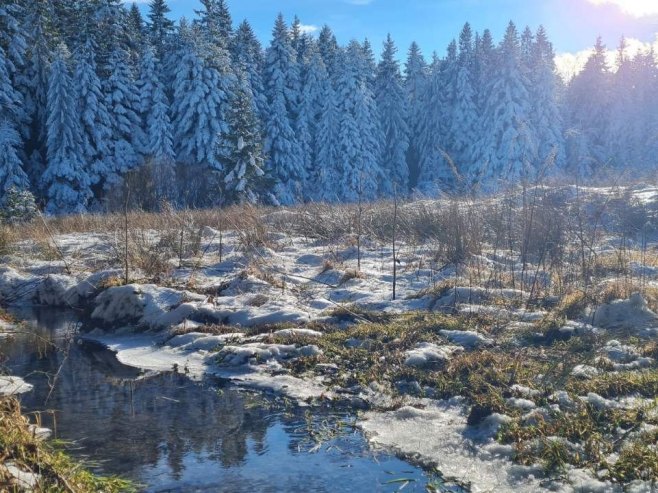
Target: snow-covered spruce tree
(215, 22)
(546, 117)
(623, 128)
(201, 98)
(464, 124)
(325, 174)
(436, 171)
(95, 129)
(392, 106)
(12, 115)
(359, 135)
(416, 74)
(17, 205)
(66, 178)
(35, 93)
(509, 152)
(329, 50)
(484, 62)
(157, 145)
(588, 109)
(160, 27)
(13, 43)
(244, 179)
(122, 102)
(314, 91)
(12, 175)
(248, 53)
(282, 89)
(646, 106)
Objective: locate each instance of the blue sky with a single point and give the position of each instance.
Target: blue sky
(572, 24)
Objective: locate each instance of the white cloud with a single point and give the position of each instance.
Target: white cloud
(308, 28)
(570, 64)
(636, 8)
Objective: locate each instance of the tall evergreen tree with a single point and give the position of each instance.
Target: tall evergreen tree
(244, 178)
(509, 152)
(95, 131)
(160, 26)
(329, 49)
(546, 117)
(416, 75)
(588, 103)
(12, 174)
(359, 136)
(392, 105)
(282, 89)
(216, 23)
(248, 53)
(314, 90)
(66, 179)
(122, 102)
(464, 126)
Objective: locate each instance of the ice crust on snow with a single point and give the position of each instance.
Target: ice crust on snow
(466, 454)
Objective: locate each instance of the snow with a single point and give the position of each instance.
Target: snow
(632, 314)
(585, 371)
(466, 338)
(13, 385)
(428, 355)
(260, 353)
(145, 304)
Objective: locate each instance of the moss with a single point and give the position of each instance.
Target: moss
(57, 471)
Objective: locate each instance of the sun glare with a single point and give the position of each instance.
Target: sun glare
(636, 8)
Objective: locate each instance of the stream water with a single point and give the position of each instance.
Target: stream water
(169, 433)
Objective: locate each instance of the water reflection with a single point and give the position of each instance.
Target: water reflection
(172, 434)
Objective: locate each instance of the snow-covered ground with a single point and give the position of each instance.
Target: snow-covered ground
(253, 313)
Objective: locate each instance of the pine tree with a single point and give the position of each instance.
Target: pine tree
(508, 153)
(66, 179)
(282, 89)
(244, 178)
(95, 128)
(392, 105)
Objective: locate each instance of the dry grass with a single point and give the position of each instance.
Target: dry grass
(57, 472)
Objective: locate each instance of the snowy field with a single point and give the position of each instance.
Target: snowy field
(512, 318)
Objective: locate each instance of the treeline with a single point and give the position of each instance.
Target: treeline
(100, 107)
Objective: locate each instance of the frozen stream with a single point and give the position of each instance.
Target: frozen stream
(171, 434)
